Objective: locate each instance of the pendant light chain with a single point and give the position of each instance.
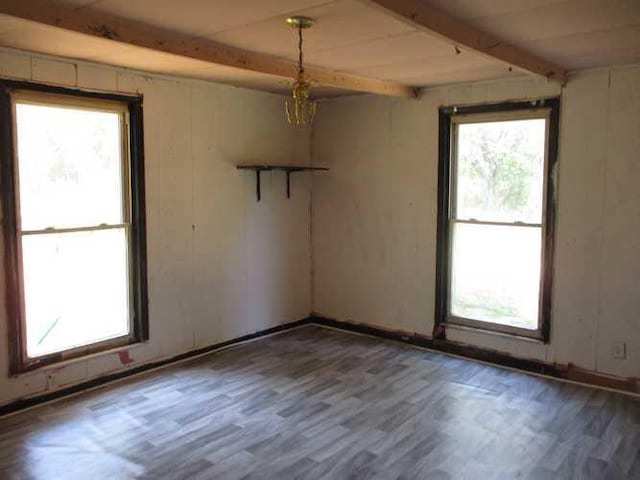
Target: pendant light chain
(300, 63)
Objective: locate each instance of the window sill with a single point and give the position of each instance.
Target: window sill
(82, 358)
(494, 333)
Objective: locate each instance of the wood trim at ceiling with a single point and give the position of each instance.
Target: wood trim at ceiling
(421, 15)
(130, 32)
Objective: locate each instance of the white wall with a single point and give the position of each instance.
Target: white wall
(245, 266)
(374, 216)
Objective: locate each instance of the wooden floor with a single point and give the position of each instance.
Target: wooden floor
(315, 403)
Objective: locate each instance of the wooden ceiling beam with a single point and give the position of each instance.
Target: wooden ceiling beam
(421, 15)
(142, 35)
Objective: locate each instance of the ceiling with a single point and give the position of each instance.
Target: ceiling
(351, 36)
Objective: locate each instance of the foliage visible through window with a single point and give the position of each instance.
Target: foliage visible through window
(501, 167)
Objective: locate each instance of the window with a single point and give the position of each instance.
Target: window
(74, 222)
(496, 216)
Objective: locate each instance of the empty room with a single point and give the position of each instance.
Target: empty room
(320, 239)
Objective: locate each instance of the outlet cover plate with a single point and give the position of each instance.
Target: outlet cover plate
(619, 350)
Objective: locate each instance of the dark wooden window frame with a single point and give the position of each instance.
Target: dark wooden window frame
(443, 260)
(19, 362)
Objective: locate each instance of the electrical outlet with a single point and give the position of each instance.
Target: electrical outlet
(619, 350)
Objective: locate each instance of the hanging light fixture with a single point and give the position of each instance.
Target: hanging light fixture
(301, 109)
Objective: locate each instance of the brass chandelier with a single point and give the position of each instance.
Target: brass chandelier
(301, 109)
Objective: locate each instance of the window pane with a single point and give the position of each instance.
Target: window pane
(495, 275)
(500, 170)
(76, 289)
(69, 163)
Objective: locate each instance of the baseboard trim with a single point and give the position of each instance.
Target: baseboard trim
(25, 403)
(568, 373)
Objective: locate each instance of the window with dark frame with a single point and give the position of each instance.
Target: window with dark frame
(74, 222)
(496, 216)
